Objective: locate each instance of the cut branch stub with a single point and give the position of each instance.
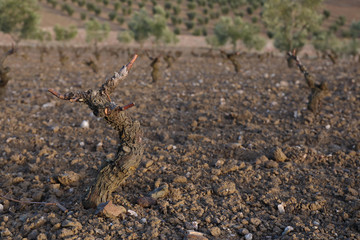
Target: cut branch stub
(130, 148)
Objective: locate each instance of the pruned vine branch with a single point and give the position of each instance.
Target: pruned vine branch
(130, 149)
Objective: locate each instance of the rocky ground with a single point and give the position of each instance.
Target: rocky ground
(238, 155)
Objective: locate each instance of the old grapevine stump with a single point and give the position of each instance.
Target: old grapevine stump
(130, 149)
(318, 91)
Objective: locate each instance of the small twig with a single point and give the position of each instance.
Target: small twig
(69, 96)
(61, 207)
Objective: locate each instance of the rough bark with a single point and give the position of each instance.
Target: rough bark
(318, 91)
(130, 149)
(233, 57)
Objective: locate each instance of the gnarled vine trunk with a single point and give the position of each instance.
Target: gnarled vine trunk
(130, 150)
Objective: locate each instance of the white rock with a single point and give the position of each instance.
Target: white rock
(281, 208)
(49, 104)
(1, 207)
(328, 127)
(132, 213)
(249, 236)
(287, 230)
(143, 220)
(85, 124)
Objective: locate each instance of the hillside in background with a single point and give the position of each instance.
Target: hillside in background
(189, 17)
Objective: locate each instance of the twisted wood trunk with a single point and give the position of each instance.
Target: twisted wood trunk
(130, 150)
(318, 91)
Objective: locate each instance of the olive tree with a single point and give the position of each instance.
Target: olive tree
(20, 19)
(96, 32)
(327, 43)
(64, 34)
(235, 29)
(291, 21)
(142, 26)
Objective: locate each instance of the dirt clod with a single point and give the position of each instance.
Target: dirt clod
(225, 188)
(278, 155)
(69, 178)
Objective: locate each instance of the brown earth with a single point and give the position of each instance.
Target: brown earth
(210, 136)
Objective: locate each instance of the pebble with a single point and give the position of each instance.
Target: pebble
(191, 225)
(194, 235)
(287, 230)
(271, 164)
(160, 192)
(65, 232)
(6, 233)
(180, 179)
(70, 223)
(255, 221)
(146, 201)
(281, 208)
(1, 207)
(243, 231)
(249, 236)
(85, 124)
(215, 231)
(132, 213)
(110, 210)
(33, 234)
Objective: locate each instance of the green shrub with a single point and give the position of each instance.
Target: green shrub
(326, 14)
(228, 29)
(214, 15)
(167, 5)
(116, 6)
(196, 32)
(65, 34)
(97, 11)
(112, 15)
(90, 7)
(191, 15)
(125, 37)
(225, 10)
(81, 3)
(83, 16)
(249, 10)
(177, 31)
(204, 31)
(176, 10)
(174, 20)
(191, 6)
(189, 25)
(120, 20)
(340, 21)
(68, 9)
(96, 31)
